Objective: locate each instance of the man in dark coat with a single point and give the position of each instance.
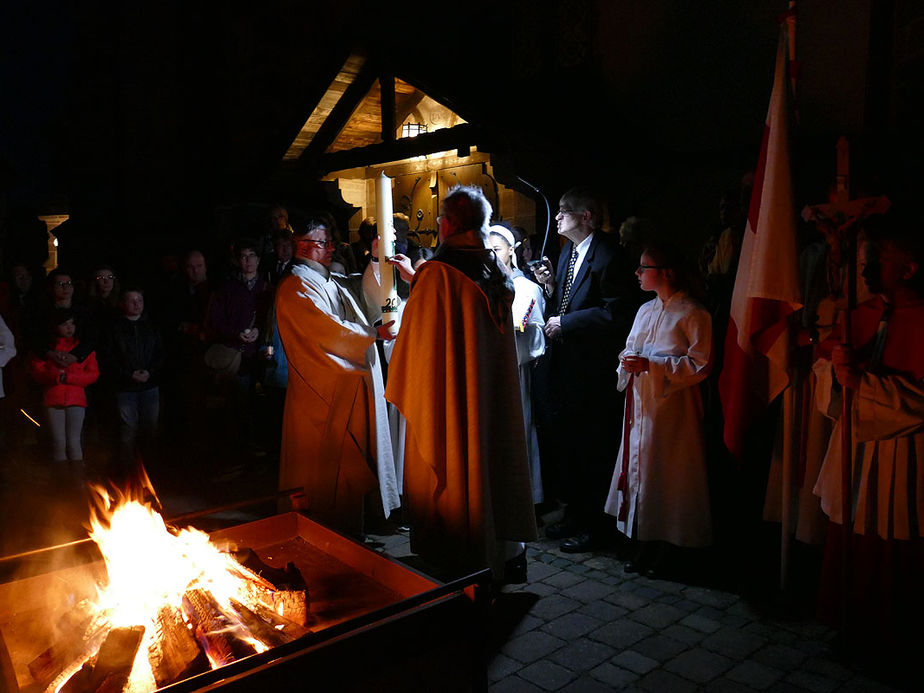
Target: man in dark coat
(593, 301)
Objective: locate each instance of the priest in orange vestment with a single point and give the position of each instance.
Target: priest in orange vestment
(466, 478)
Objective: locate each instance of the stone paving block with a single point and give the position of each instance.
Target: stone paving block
(606, 563)
(578, 568)
(587, 684)
(627, 600)
(547, 675)
(541, 589)
(745, 610)
(612, 580)
(531, 646)
(588, 591)
(701, 623)
(660, 681)
(613, 676)
(514, 684)
(660, 647)
(621, 634)
(724, 685)
(687, 605)
(710, 597)
(754, 674)
(634, 661)
(561, 562)
(669, 599)
(603, 610)
(783, 686)
(537, 571)
(594, 574)
(571, 626)
(666, 586)
(811, 682)
(699, 665)
(733, 643)
(501, 666)
(684, 634)
(711, 612)
(527, 623)
(563, 578)
(779, 656)
(553, 606)
(648, 593)
(582, 655)
(658, 615)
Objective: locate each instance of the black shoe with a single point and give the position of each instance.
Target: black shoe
(562, 530)
(632, 567)
(582, 543)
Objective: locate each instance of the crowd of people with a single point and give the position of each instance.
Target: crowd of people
(501, 388)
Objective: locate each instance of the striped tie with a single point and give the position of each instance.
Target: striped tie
(566, 292)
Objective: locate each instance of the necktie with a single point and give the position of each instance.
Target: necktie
(566, 292)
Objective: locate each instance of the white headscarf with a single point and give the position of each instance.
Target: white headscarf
(507, 235)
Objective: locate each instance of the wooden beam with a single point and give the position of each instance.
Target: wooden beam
(340, 114)
(458, 137)
(387, 92)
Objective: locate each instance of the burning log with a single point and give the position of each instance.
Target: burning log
(174, 653)
(110, 670)
(80, 633)
(266, 625)
(284, 591)
(214, 630)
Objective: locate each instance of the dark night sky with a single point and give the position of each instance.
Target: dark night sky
(177, 108)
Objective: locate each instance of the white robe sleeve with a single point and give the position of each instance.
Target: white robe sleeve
(685, 367)
(528, 304)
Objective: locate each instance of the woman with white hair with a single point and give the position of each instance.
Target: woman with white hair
(528, 321)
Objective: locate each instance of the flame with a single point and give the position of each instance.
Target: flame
(151, 565)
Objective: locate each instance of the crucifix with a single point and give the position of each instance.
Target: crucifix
(839, 221)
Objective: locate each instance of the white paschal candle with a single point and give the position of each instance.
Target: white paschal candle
(386, 229)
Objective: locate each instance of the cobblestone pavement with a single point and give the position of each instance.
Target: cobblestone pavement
(582, 624)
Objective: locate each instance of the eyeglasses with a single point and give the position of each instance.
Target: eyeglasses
(321, 244)
(101, 277)
(642, 268)
(64, 285)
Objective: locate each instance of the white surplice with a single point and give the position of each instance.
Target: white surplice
(666, 483)
(528, 311)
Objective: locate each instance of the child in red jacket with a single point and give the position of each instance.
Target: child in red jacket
(64, 396)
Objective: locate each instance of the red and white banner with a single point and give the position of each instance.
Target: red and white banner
(766, 290)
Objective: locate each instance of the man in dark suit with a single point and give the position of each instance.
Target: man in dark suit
(278, 266)
(593, 301)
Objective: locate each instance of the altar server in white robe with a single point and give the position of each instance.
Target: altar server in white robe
(335, 439)
(659, 491)
(527, 311)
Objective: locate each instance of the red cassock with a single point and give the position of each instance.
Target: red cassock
(453, 375)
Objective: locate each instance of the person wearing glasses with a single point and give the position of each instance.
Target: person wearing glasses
(659, 491)
(592, 301)
(336, 442)
(59, 294)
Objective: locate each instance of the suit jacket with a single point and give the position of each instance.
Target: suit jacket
(604, 300)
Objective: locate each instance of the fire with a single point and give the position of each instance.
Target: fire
(160, 575)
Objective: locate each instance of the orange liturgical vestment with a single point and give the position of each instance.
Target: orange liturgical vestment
(466, 476)
(328, 431)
